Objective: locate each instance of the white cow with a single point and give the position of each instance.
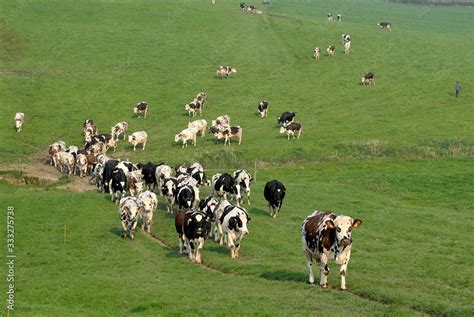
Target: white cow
(81, 164)
(316, 53)
(134, 183)
(199, 125)
(186, 135)
(128, 211)
(66, 162)
(118, 129)
(347, 47)
(19, 118)
(54, 148)
(148, 203)
(139, 137)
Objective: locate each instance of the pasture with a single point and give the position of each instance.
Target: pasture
(397, 155)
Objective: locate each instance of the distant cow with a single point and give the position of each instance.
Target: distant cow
(193, 107)
(274, 193)
(292, 129)
(120, 128)
(263, 108)
(222, 121)
(186, 135)
(346, 38)
(19, 118)
(330, 50)
(141, 108)
(199, 125)
(316, 53)
(230, 132)
(326, 236)
(243, 179)
(54, 148)
(201, 98)
(196, 227)
(128, 212)
(329, 17)
(233, 223)
(225, 71)
(385, 25)
(286, 117)
(66, 162)
(139, 137)
(148, 203)
(347, 47)
(368, 79)
(81, 164)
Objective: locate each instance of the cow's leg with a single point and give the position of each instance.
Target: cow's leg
(124, 229)
(134, 147)
(221, 233)
(343, 271)
(144, 144)
(231, 245)
(324, 271)
(199, 250)
(309, 264)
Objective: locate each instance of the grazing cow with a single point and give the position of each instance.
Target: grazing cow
(81, 164)
(161, 173)
(225, 71)
(186, 135)
(196, 227)
(193, 107)
(293, 128)
(109, 168)
(243, 179)
(199, 125)
(330, 50)
(54, 148)
(134, 183)
(346, 38)
(209, 206)
(274, 193)
(233, 223)
(169, 190)
(263, 108)
(129, 209)
(339, 18)
(230, 132)
(326, 236)
(117, 185)
(141, 108)
(149, 175)
(347, 47)
(118, 129)
(316, 53)
(242, 6)
(66, 162)
(223, 184)
(139, 137)
(221, 121)
(385, 25)
(286, 117)
(148, 204)
(19, 118)
(368, 79)
(185, 197)
(201, 98)
(330, 17)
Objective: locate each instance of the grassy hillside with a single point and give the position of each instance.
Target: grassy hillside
(398, 155)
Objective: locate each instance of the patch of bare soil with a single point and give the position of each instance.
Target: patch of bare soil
(40, 172)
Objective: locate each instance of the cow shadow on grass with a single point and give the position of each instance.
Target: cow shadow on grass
(285, 276)
(259, 212)
(116, 231)
(216, 248)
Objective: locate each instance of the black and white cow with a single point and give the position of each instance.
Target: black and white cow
(208, 206)
(286, 117)
(274, 193)
(263, 108)
(196, 229)
(149, 175)
(223, 184)
(196, 171)
(243, 179)
(169, 191)
(185, 197)
(117, 185)
(141, 108)
(233, 224)
(385, 25)
(326, 236)
(129, 209)
(368, 79)
(109, 168)
(161, 173)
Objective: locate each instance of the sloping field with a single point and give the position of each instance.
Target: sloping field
(397, 155)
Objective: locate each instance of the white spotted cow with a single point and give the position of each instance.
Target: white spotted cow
(186, 135)
(148, 203)
(81, 164)
(134, 183)
(118, 129)
(19, 118)
(347, 47)
(199, 125)
(136, 138)
(326, 236)
(129, 209)
(316, 53)
(233, 224)
(330, 50)
(141, 108)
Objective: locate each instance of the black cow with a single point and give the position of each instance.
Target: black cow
(196, 227)
(286, 117)
(185, 197)
(109, 167)
(223, 184)
(263, 108)
(274, 193)
(148, 173)
(117, 185)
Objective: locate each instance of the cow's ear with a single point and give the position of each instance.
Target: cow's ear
(330, 224)
(356, 223)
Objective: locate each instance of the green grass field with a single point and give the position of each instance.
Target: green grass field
(398, 155)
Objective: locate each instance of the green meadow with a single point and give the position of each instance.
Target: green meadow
(397, 155)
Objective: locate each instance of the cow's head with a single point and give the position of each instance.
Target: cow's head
(343, 226)
(131, 138)
(239, 222)
(233, 70)
(178, 137)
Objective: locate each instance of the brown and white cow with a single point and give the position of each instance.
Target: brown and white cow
(141, 108)
(120, 128)
(201, 98)
(186, 135)
(368, 79)
(89, 125)
(230, 132)
(19, 118)
(54, 148)
(330, 50)
(292, 129)
(316, 53)
(326, 236)
(193, 107)
(134, 183)
(199, 125)
(139, 137)
(385, 25)
(225, 71)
